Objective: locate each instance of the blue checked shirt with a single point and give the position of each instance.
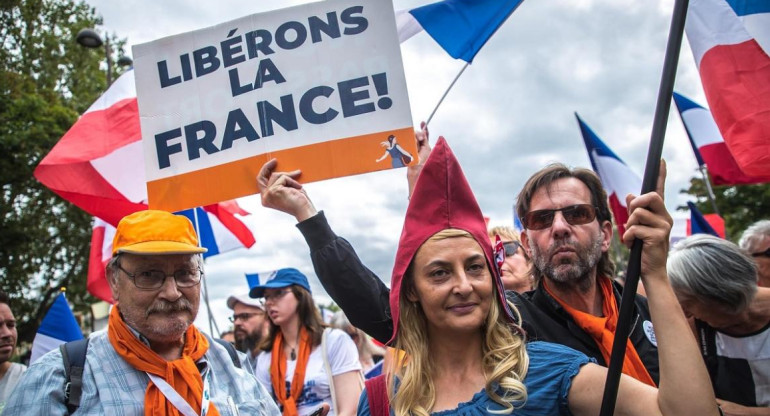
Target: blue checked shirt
(112, 387)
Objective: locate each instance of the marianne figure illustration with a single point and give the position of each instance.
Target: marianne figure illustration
(398, 156)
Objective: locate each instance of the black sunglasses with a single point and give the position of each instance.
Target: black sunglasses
(511, 247)
(574, 214)
(765, 253)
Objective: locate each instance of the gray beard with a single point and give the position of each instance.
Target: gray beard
(574, 274)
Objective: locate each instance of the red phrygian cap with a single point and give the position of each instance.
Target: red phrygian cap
(442, 199)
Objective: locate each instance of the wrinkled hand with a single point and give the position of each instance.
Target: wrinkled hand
(423, 151)
(281, 191)
(735, 409)
(650, 222)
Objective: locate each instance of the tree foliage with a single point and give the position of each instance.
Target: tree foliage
(739, 206)
(46, 81)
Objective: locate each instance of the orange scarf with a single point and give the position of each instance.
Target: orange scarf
(602, 330)
(278, 372)
(181, 374)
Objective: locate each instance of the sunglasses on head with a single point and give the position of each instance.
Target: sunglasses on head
(511, 247)
(574, 214)
(765, 253)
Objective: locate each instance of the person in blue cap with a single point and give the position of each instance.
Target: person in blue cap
(305, 364)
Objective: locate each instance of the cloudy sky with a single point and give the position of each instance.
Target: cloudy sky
(509, 114)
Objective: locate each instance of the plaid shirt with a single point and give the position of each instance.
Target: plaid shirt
(112, 387)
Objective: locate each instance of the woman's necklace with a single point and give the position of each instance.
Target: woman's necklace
(293, 353)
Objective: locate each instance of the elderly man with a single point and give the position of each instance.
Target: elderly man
(151, 359)
(249, 324)
(756, 241)
(10, 373)
(715, 283)
(567, 232)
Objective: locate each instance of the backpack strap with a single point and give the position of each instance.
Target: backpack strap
(230, 350)
(73, 355)
(708, 348)
(377, 395)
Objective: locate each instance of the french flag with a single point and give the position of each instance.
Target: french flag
(730, 40)
(617, 178)
(709, 147)
(460, 27)
(58, 326)
(98, 165)
(697, 223)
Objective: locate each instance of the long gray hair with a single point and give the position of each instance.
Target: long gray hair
(713, 271)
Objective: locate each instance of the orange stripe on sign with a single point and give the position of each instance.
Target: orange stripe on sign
(319, 161)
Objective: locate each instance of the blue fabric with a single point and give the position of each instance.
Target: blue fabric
(59, 322)
(281, 278)
(204, 230)
(594, 144)
(549, 377)
(395, 157)
(462, 27)
(747, 7)
(698, 224)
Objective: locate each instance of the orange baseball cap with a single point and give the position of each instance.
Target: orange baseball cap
(155, 232)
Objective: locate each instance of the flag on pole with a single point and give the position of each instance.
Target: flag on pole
(460, 27)
(617, 178)
(698, 224)
(98, 164)
(730, 40)
(58, 326)
(709, 147)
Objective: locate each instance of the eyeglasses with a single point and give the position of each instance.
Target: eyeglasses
(154, 279)
(276, 295)
(511, 247)
(244, 316)
(573, 214)
(765, 253)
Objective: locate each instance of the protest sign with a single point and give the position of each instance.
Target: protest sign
(319, 86)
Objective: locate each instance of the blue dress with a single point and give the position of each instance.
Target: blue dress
(395, 157)
(548, 380)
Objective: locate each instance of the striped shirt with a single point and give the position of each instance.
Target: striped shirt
(112, 387)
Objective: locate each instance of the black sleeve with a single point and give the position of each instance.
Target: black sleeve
(356, 289)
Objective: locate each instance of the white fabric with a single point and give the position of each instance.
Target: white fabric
(343, 358)
(122, 89)
(9, 381)
(758, 26)
(42, 344)
(617, 178)
(702, 128)
(113, 168)
(407, 25)
(711, 23)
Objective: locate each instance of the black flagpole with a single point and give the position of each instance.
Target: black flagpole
(648, 185)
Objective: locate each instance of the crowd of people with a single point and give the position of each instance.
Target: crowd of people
(475, 320)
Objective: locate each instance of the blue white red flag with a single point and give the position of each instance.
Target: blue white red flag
(709, 147)
(461, 27)
(617, 178)
(730, 40)
(58, 326)
(698, 224)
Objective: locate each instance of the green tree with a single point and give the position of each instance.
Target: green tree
(740, 206)
(46, 81)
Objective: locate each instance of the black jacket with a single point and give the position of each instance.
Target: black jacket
(365, 300)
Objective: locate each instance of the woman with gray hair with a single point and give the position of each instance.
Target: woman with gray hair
(756, 241)
(716, 284)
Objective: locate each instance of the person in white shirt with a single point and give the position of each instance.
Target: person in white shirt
(10, 373)
(303, 364)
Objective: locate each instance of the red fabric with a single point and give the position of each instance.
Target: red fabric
(442, 199)
(225, 212)
(619, 211)
(715, 221)
(377, 395)
(722, 167)
(97, 281)
(736, 80)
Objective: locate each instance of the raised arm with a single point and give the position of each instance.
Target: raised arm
(684, 387)
(356, 289)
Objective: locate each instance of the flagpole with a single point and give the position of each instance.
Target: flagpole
(445, 93)
(212, 323)
(709, 189)
(649, 184)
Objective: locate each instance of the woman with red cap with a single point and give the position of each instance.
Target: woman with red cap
(451, 318)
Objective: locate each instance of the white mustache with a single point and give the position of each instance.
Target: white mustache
(162, 306)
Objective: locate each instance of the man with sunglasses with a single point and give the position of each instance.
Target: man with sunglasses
(249, 324)
(567, 234)
(756, 242)
(151, 359)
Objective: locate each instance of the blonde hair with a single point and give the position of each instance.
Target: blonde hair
(504, 361)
